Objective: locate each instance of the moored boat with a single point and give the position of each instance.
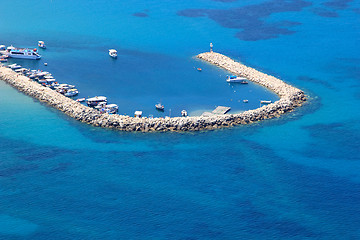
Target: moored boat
(111, 109)
(159, 106)
(71, 92)
(41, 44)
(14, 66)
(80, 100)
(234, 79)
(24, 53)
(265, 101)
(184, 113)
(92, 102)
(113, 53)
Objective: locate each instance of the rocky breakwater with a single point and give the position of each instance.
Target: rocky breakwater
(290, 98)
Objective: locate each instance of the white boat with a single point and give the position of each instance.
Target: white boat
(265, 101)
(80, 100)
(24, 53)
(184, 113)
(100, 105)
(65, 86)
(159, 106)
(71, 92)
(95, 100)
(2, 47)
(14, 66)
(41, 44)
(113, 53)
(21, 70)
(233, 79)
(111, 109)
(138, 114)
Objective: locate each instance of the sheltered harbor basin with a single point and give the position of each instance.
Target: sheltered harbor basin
(290, 98)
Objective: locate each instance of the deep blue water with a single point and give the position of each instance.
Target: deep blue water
(296, 177)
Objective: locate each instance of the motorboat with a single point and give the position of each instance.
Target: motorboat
(14, 66)
(159, 106)
(113, 53)
(245, 101)
(71, 92)
(111, 109)
(24, 53)
(138, 114)
(265, 101)
(100, 105)
(235, 79)
(80, 100)
(65, 86)
(184, 113)
(21, 70)
(199, 69)
(3, 60)
(41, 44)
(92, 102)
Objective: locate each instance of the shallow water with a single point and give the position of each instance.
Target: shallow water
(290, 178)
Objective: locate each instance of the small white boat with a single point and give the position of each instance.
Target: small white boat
(3, 60)
(92, 102)
(265, 101)
(234, 79)
(100, 105)
(138, 114)
(111, 109)
(80, 99)
(41, 44)
(245, 101)
(14, 66)
(71, 92)
(113, 53)
(159, 106)
(184, 113)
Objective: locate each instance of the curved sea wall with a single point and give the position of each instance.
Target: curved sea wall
(290, 98)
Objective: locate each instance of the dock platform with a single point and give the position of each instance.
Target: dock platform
(220, 110)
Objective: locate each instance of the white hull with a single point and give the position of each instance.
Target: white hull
(234, 80)
(24, 56)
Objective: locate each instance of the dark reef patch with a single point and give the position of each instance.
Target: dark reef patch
(337, 4)
(322, 12)
(225, 1)
(356, 10)
(251, 19)
(315, 80)
(14, 170)
(333, 141)
(140, 14)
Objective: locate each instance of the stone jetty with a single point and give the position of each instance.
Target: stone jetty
(290, 98)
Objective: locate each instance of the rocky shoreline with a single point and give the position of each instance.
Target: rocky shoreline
(290, 98)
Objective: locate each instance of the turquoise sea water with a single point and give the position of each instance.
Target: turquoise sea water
(296, 177)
